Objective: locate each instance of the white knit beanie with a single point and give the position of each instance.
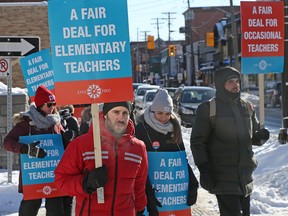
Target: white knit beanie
(162, 102)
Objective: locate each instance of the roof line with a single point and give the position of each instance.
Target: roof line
(9, 4)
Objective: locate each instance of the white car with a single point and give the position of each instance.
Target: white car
(148, 98)
(139, 94)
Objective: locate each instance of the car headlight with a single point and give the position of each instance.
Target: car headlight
(187, 111)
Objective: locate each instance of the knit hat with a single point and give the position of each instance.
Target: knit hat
(222, 75)
(109, 106)
(162, 102)
(43, 95)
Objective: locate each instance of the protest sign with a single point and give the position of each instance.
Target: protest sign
(168, 174)
(37, 70)
(90, 51)
(38, 173)
(262, 37)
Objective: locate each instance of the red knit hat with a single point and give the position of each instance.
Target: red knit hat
(43, 95)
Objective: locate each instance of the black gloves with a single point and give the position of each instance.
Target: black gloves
(95, 179)
(206, 178)
(33, 150)
(152, 203)
(140, 213)
(261, 136)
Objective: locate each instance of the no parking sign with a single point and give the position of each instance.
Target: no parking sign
(4, 67)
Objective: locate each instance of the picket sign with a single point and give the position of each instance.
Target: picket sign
(97, 146)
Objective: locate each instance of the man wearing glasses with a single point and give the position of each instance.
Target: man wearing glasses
(41, 118)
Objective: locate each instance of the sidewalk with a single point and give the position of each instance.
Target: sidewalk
(205, 206)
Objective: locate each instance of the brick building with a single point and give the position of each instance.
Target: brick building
(198, 22)
(23, 18)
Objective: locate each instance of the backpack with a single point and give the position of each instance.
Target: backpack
(212, 114)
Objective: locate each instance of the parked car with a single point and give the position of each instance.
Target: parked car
(139, 94)
(171, 91)
(148, 98)
(251, 90)
(136, 85)
(188, 99)
(273, 95)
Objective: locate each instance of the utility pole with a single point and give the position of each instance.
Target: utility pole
(193, 72)
(146, 55)
(245, 79)
(137, 59)
(235, 38)
(169, 23)
(158, 34)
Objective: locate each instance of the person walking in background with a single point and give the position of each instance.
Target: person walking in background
(160, 130)
(42, 118)
(222, 144)
(69, 123)
(123, 173)
(86, 118)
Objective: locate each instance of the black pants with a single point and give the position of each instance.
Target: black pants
(233, 205)
(56, 206)
(68, 203)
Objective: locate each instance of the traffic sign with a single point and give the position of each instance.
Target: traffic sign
(4, 67)
(17, 46)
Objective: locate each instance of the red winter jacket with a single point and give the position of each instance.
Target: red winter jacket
(127, 164)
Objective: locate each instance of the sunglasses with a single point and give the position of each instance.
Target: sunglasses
(50, 104)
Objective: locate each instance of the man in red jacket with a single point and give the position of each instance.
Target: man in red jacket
(124, 171)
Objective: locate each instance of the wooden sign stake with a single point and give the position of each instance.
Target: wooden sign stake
(97, 146)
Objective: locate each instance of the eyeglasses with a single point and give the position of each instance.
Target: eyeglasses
(50, 104)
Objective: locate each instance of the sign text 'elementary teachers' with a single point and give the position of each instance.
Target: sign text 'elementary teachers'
(97, 48)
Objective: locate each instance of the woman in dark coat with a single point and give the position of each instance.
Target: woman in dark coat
(160, 130)
(41, 118)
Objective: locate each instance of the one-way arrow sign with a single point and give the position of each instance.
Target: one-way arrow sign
(17, 46)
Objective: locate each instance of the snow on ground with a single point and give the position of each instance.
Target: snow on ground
(270, 195)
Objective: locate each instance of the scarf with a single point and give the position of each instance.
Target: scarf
(40, 121)
(155, 124)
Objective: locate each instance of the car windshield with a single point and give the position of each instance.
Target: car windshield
(142, 91)
(150, 96)
(197, 96)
